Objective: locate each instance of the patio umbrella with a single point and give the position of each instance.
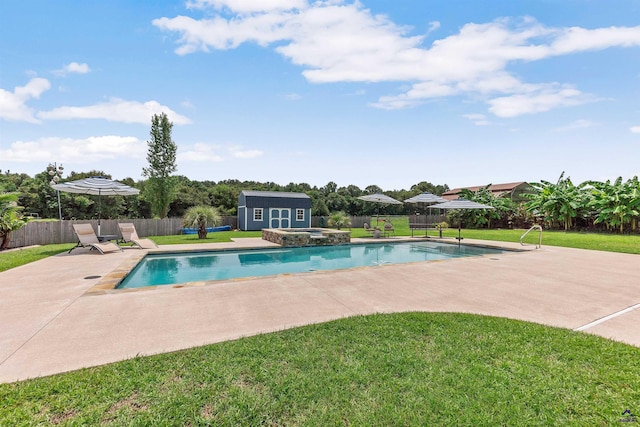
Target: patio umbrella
(461, 204)
(379, 199)
(99, 186)
(426, 198)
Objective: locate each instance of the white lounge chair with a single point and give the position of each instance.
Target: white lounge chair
(129, 234)
(87, 237)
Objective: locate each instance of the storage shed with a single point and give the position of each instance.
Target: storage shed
(273, 209)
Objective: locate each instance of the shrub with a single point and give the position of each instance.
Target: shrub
(339, 219)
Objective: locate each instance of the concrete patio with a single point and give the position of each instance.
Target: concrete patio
(51, 324)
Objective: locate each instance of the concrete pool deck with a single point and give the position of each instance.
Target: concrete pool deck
(51, 323)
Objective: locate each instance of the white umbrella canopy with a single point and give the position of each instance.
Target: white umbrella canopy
(426, 198)
(379, 198)
(461, 204)
(97, 186)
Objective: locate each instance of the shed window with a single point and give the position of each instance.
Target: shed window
(257, 214)
(299, 214)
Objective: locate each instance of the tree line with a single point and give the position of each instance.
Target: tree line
(37, 197)
(611, 206)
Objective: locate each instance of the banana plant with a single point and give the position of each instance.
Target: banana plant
(559, 203)
(10, 217)
(617, 203)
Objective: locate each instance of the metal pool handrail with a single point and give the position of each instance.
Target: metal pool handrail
(539, 244)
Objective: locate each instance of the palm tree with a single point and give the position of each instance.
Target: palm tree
(339, 219)
(201, 217)
(10, 217)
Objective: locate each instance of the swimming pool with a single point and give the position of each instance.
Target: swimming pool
(174, 268)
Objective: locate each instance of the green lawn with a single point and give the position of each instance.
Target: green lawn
(596, 241)
(420, 369)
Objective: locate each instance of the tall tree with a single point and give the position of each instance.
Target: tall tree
(161, 187)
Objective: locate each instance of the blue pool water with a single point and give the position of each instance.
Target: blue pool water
(165, 269)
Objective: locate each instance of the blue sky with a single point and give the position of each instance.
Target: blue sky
(376, 92)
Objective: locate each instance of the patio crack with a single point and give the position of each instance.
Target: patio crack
(330, 295)
(40, 329)
(608, 317)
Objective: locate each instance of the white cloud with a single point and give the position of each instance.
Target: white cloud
(336, 41)
(576, 39)
(578, 124)
(292, 97)
(204, 152)
(478, 119)
(245, 154)
(536, 102)
(116, 110)
(244, 6)
(433, 26)
(201, 152)
(73, 67)
(635, 129)
(70, 150)
(13, 104)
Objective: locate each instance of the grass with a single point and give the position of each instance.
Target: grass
(16, 258)
(401, 369)
(216, 237)
(594, 241)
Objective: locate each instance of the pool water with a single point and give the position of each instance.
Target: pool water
(165, 269)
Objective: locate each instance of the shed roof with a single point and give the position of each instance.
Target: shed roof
(284, 194)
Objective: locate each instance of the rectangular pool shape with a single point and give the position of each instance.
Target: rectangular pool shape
(176, 268)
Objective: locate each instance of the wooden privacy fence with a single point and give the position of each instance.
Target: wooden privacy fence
(426, 219)
(51, 232)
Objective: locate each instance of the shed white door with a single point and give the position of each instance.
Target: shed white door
(280, 218)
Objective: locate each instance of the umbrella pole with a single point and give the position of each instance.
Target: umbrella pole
(99, 209)
(459, 228)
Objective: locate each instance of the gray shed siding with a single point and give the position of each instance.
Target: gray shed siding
(278, 210)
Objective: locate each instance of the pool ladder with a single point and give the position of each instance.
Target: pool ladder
(537, 245)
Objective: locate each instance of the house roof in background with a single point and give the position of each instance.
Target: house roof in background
(497, 189)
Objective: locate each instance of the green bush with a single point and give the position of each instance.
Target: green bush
(339, 219)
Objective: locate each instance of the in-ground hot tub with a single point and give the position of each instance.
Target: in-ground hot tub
(306, 236)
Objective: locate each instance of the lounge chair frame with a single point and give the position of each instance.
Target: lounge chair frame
(88, 238)
(129, 234)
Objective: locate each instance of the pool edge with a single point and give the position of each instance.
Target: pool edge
(109, 283)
